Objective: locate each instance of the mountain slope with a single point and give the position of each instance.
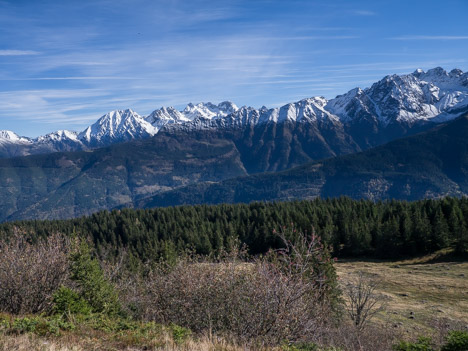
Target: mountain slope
(430, 164)
(62, 185)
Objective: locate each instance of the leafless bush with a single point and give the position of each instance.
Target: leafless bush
(379, 337)
(128, 283)
(30, 273)
(362, 304)
(248, 300)
(267, 300)
(363, 301)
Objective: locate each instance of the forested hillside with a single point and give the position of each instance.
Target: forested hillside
(352, 228)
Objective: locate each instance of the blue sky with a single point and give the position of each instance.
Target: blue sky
(65, 63)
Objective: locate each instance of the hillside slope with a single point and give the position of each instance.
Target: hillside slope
(63, 185)
(430, 164)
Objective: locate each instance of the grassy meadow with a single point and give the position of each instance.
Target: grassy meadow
(419, 295)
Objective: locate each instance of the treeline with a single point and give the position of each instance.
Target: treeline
(351, 228)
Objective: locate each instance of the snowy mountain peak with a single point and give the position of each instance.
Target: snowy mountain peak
(228, 107)
(454, 80)
(310, 109)
(119, 125)
(7, 136)
(437, 71)
(420, 96)
(209, 110)
(455, 72)
(58, 136)
(345, 106)
(318, 101)
(165, 115)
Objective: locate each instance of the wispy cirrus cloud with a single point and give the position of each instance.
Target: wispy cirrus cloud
(263, 38)
(18, 52)
(73, 78)
(431, 37)
(364, 13)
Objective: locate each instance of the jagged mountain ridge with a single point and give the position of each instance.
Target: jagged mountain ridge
(393, 107)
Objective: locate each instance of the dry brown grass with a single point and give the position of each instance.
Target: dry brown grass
(32, 343)
(92, 342)
(419, 293)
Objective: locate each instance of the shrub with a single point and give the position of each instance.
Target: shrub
(39, 325)
(308, 347)
(456, 341)
(25, 325)
(179, 334)
(66, 301)
(31, 273)
(423, 344)
(4, 323)
(301, 347)
(304, 257)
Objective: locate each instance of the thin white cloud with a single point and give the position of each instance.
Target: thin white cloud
(388, 65)
(322, 29)
(321, 37)
(18, 52)
(75, 78)
(262, 38)
(364, 13)
(431, 37)
(18, 95)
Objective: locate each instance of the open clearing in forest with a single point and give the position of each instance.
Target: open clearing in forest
(419, 294)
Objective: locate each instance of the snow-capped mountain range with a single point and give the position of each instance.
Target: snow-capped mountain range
(420, 97)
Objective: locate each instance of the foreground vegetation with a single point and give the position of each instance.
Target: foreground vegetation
(56, 285)
(56, 294)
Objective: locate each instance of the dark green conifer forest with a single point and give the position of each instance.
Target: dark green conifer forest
(352, 228)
